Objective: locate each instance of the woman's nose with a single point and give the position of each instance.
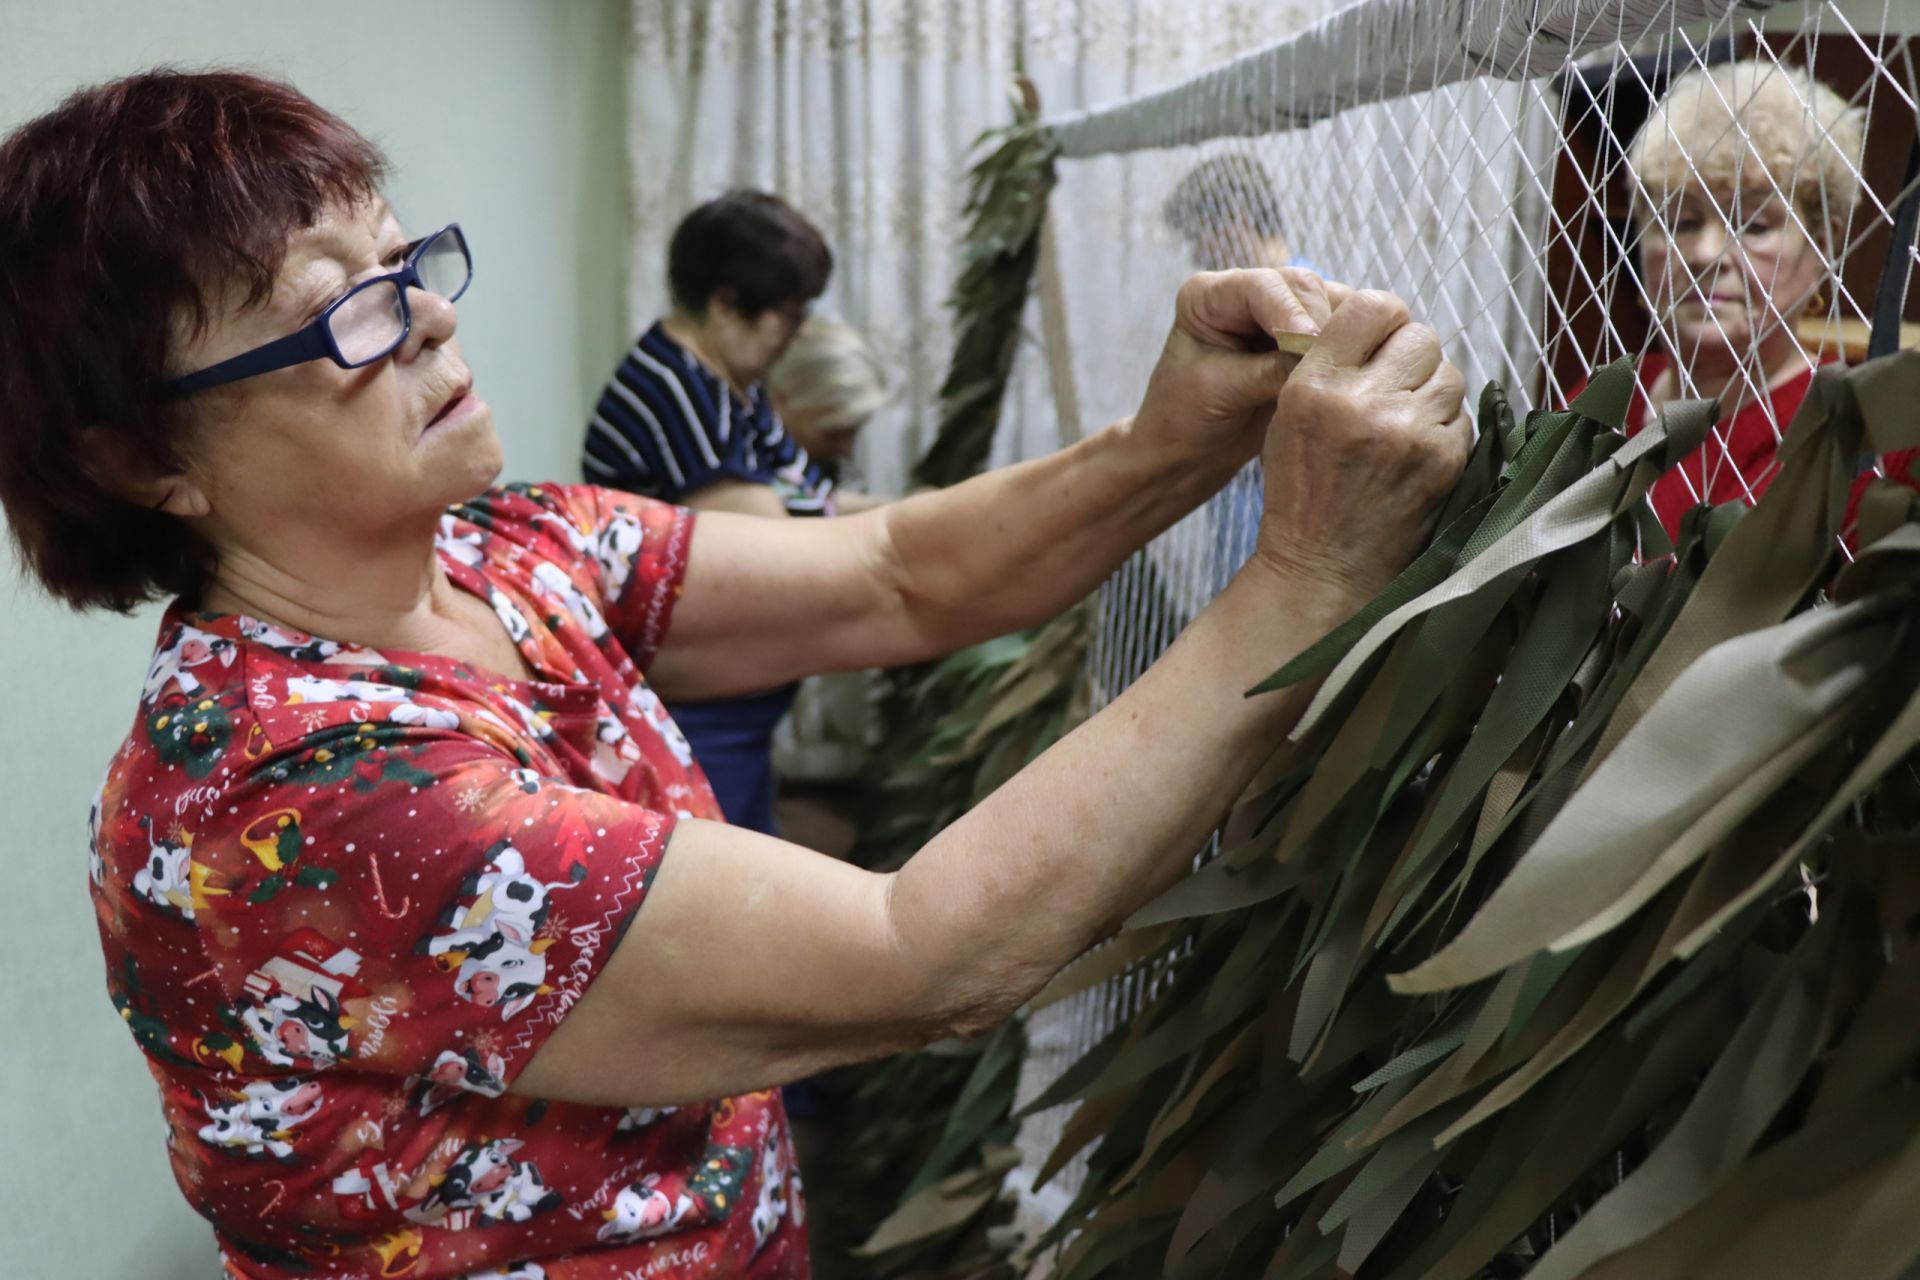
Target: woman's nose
(434, 320)
(1707, 245)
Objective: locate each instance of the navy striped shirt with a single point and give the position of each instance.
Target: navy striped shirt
(667, 426)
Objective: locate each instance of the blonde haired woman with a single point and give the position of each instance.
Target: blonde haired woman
(1746, 175)
(826, 387)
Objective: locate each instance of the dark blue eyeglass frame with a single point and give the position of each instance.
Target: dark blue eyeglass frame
(315, 341)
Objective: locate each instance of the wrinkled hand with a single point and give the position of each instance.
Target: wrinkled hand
(1368, 439)
(1212, 392)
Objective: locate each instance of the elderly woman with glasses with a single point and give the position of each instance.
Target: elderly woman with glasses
(409, 892)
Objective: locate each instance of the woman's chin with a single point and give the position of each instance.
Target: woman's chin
(465, 450)
(1709, 343)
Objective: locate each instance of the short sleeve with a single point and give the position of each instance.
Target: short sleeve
(659, 428)
(414, 904)
(612, 556)
(639, 548)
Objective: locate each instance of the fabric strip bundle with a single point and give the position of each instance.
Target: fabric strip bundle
(1584, 895)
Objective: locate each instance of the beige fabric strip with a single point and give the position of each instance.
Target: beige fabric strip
(1751, 700)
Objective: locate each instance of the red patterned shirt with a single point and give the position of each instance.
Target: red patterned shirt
(345, 895)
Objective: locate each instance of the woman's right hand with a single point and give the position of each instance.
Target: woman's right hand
(1368, 437)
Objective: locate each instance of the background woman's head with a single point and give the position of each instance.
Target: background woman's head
(826, 386)
(743, 269)
(158, 224)
(1226, 211)
(1747, 174)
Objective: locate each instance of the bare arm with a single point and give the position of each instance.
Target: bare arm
(820, 963)
(743, 497)
(851, 502)
(755, 962)
(740, 497)
(933, 572)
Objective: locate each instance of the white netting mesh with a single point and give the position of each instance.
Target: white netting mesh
(1505, 210)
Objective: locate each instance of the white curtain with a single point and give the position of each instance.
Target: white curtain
(863, 114)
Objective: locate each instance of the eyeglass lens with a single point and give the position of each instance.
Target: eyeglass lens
(370, 322)
(443, 266)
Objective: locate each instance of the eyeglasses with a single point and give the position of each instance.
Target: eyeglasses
(366, 323)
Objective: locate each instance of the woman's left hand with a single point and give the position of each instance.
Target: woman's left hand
(1213, 390)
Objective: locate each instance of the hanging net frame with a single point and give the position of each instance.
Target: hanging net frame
(1479, 159)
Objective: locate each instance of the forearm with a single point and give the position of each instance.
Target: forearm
(925, 575)
(1112, 814)
(827, 964)
(851, 502)
(1015, 546)
(740, 497)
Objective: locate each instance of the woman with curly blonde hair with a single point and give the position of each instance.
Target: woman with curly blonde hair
(1745, 178)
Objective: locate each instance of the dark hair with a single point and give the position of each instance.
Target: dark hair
(749, 249)
(126, 211)
(1222, 190)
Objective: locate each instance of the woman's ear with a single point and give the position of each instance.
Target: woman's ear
(114, 466)
(180, 496)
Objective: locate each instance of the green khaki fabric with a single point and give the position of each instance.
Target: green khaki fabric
(1584, 891)
(1731, 729)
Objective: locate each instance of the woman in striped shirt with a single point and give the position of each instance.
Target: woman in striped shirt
(685, 419)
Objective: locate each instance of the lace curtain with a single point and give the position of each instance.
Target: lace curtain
(863, 113)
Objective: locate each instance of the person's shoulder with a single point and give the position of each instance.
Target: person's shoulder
(308, 726)
(656, 341)
(316, 718)
(193, 700)
(595, 539)
(233, 701)
(557, 522)
(668, 402)
(223, 691)
(656, 357)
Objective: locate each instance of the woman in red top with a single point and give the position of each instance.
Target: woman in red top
(409, 890)
(1748, 173)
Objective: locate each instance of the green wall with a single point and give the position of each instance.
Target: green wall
(507, 115)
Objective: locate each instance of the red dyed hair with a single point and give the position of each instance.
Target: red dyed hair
(124, 212)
